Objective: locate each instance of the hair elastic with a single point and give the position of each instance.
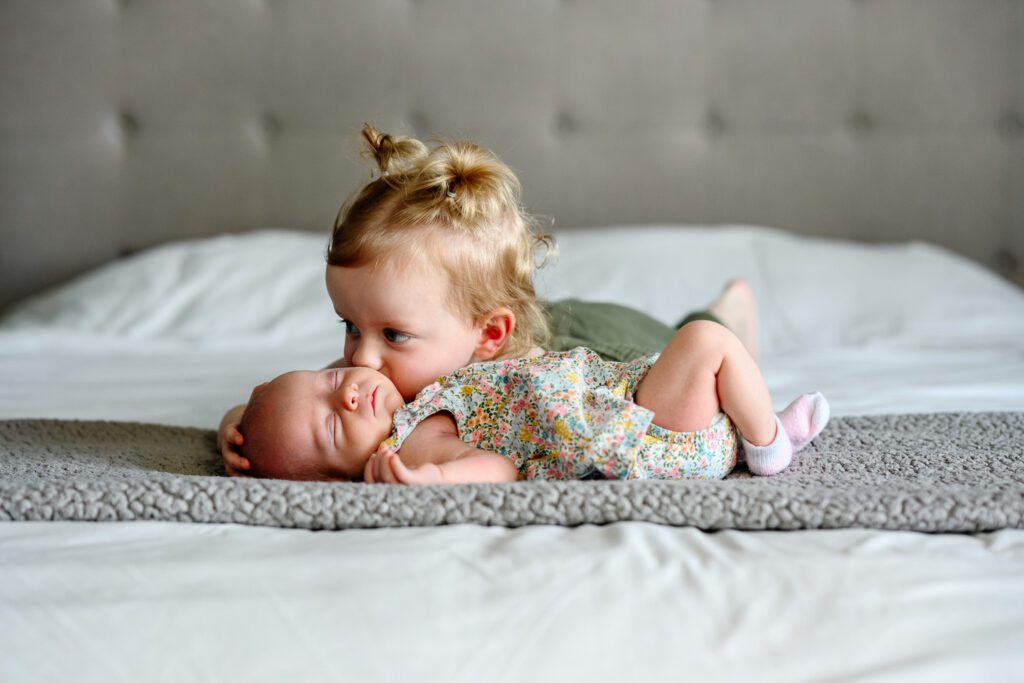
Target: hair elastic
(451, 193)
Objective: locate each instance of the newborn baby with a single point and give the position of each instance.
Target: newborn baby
(318, 425)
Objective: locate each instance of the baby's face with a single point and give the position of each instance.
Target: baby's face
(398, 321)
(334, 418)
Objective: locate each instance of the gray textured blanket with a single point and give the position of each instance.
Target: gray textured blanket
(959, 472)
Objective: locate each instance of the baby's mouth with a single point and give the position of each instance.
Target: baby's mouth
(373, 401)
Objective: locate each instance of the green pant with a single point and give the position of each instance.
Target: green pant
(613, 331)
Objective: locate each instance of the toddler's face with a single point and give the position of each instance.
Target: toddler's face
(399, 323)
(331, 420)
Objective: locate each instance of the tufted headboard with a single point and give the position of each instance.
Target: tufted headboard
(127, 123)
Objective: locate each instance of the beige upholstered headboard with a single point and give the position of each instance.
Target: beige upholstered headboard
(127, 123)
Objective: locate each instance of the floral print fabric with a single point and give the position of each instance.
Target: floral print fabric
(568, 416)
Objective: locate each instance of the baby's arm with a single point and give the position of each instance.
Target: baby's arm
(475, 465)
(434, 454)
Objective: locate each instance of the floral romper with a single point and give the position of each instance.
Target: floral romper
(569, 416)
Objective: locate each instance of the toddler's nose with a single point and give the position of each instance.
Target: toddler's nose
(367, 356)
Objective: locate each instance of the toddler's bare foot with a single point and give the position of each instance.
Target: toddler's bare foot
(736, 307)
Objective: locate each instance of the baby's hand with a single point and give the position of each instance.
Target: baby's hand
(229, 440)
(386, 467)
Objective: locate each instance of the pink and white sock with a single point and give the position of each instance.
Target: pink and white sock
(796, 425)
(804, 418)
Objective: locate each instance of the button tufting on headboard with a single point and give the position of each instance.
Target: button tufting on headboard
(1005, 262)
(418, 122)
(860, 122)
(128, 123)
(1011, 126)
(566, 123)
(714, 124)
(272, 125)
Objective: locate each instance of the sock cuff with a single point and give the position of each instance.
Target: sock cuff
(780, 431)
(771, 458)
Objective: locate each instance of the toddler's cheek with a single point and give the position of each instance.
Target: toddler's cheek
(403, 388)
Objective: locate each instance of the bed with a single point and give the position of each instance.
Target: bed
(171, 336)
(859, 163)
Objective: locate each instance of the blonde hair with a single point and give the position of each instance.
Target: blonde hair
(458, 204)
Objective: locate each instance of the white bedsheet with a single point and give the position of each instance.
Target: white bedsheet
(625, 602)
(179, 334)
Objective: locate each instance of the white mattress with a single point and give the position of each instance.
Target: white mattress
(178, 334)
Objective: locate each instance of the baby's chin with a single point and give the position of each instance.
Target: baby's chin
(325, 472)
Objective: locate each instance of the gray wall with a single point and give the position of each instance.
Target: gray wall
(129, 123)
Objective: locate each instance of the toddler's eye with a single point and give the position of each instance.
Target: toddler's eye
(395, 337)
(350, 329)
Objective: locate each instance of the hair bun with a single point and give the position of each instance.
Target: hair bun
(469, 180)
(394, 154)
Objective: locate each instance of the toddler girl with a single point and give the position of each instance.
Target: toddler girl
(430, 267)
(558, 416)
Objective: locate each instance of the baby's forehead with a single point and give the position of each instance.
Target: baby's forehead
(286, 398)
(290, 381)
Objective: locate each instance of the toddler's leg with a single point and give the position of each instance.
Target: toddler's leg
(798, 423)
(736, 307)
(704, 369)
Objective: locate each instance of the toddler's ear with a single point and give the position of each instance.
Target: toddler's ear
(495, 329)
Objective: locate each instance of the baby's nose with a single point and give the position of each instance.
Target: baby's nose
(350, 396)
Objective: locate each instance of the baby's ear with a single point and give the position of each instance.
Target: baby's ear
(257, 389)
(495, 328)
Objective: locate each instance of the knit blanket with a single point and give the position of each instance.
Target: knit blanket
(943, 472)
